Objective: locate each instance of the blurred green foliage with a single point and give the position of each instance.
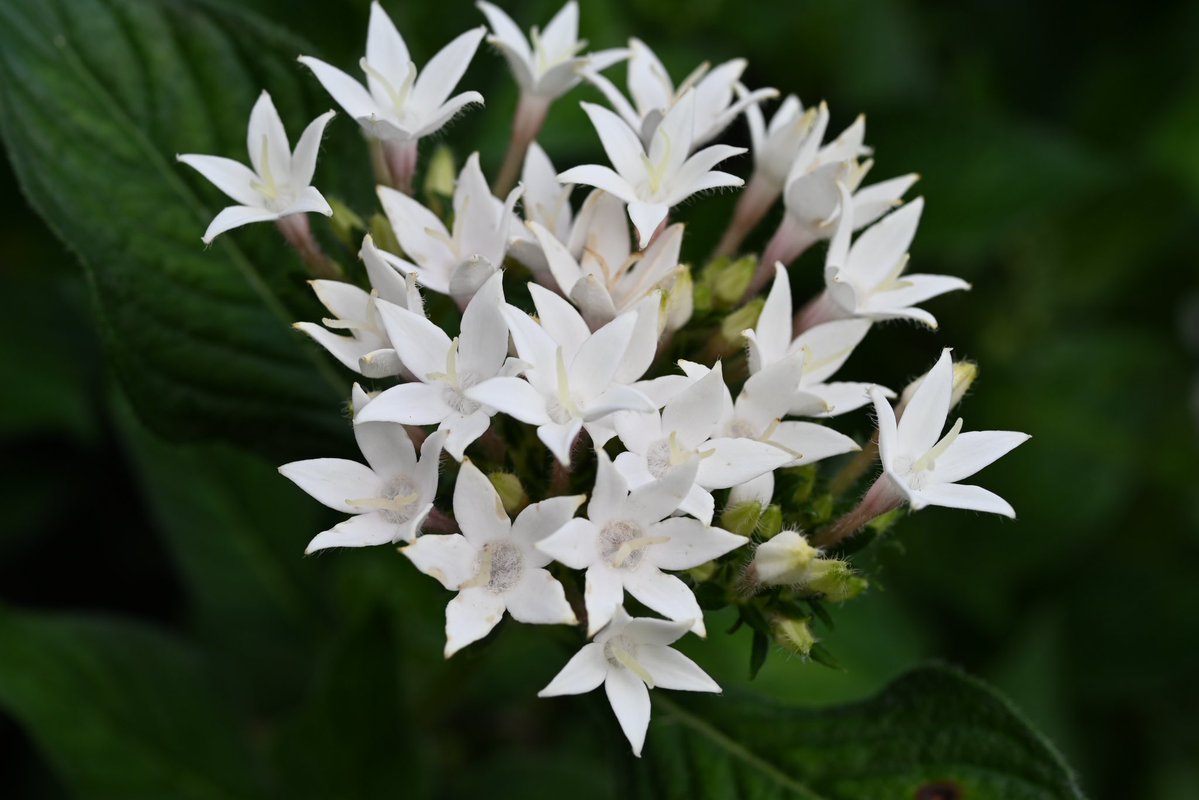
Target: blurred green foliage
(1059, 149)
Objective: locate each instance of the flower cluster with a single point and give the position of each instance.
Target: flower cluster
(576, 359)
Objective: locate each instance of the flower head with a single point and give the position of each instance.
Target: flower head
(280, 183)
(652, 179)
(397, 103)
(630, 657)
(628, 538)
(493, 564)
(925, 466)
(390, 496)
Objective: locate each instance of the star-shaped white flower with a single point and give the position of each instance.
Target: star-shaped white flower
(630, 657)
(823, 350)
(366, 349)
(458, 262)
(575, 378)
(654, 95)
(653, 179)
(925, 466)
(390, 496)
(445, 369)
(280, 183)
(493, 564)
(602, 289)
(398, 104)
(685, 431)
(867, 279)
(548, 64)
(628, 538)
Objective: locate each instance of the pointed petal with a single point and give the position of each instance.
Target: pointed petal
(643, 344)
(630, 702)
(462, 430)
(691, 543)
(667, 595)
(826, 347)
(559, 438)
(560, 320)
(574, 544)
(910, 290)
(513, 396)
(877, 199)
(651, 631)
(303, 162)
(584, 672)
(364, 530)
(539, 600)
(772, 334)
(759, 490)
(598, 357)
(811, 442)
(561, 32)
(887, 433)
(447, 111)
(450, 559)
(483, 345)
(602, 596)
(832, 399)
(670, 669)
(601, 178)
(234, 217)
(477, 507)
(506, 30)
(964, 496)
(470, 616)
(655, 501)
(694, 413)
(649, 82)
(620, 142)
(232, 177)
(884, 244)
(444, 70)
(265, 133)
(611, 489)
(735, 461)
(423, 347)
(385, 48)
(924, 417)
(308, 201)
(348, 93)
(386, 447)
(974, 450)
(408, 404)
(334, 481)
(345, 349)
(646, 218)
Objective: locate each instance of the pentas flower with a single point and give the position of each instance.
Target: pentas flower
(493, 564)
(628, 538)
(653, 179)
(654, 95)
(604, 288)
(867, 279)
(823, 350)
(922, 467)
(684, 432)
(390, 495)
(629, 657)
(397, 103)
(280, 183)
(366, 349)
(573, 378)
(445, 369)
(458, 262)
(548, 64)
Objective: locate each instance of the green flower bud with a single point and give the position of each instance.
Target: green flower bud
(834, 580)
(346, 224)
(783, 560)
(794, 635)
(730, 280)
(441, 173)
(771, 522)
(512, 493)
(743, 319)
(742, 518)
(678, 299)
(383, 234)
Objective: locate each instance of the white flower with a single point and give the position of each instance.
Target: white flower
(397, 104)
(545, 201)
(792, 144)
(867, 280)
(493, 564)
(390, 498)
(366, 349)
(655, 178)
(654, 95)
(445, 369)
(280, 183)
(684, 432)
(629, 657)
(548, 64)
(628, 538)
(575, 378)
(604, 288)
(926, 469)
(454, 263)
(823, 350)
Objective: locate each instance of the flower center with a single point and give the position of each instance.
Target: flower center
(501, 565)
(402, 495)
(657, 458)
(740, 429)
(621, 653)
(622, 544)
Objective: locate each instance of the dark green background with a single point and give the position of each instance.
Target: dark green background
(1059, 149)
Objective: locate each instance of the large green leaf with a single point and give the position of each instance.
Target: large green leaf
(934, 734)
(121, 712)
(96, 97)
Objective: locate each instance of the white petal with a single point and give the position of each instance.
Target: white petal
(303, 161)
(924, 417)
(560, 438)
(421, 234)
(265, 131)
(691, 543)
(630, 702)
(450, 559)
(913, 289)
(655, 501)
(560, 320)
(735, 461)
(483, 344)
(385, 275)
(364, 530)
(772, 334)
(670, 669)
(651, 631)
(470, 616)
(695, 411)
(562, 264)
(539, 600)
(832, 399)
(345, 349)
(308, 201)
(422, 345)
(649, 82)
(887, 434)
(957, 495)
(539, 520)
(477, 507)
(812, 442)
(464, 429)
(602, 596)
(447, 111)
(877, 199)
(385, 47)
(334, 481)
(442, 73)
(620, 142)
(505, 29)
(608, 496)
(667, 595)
(429, 464)
(574, 544)
(767, 395)
(974, 450)
(585, 671)
(234, 217)
(601, 178)
(345, 91)
(231, 177)
(826, 347)
(643, 345)
(592, 368)
(409, 404)
(699, 503)
(646, 218)
(882, 245)
(386, 447)
(562, 31)
(759, 490)
(513, 396)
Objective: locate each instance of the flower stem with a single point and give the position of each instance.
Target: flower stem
(752, 206)
(788, 243)
(819, 310)
(530, 116)
(298, 233)
(400, 158)
(440, 522)
(880, 499)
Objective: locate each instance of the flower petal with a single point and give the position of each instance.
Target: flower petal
(506, 31)
(539, 600)
(694, 412)
(364, 530)
(601, 178)
(573, 544)
(560, 437)
(423, 346)
(345, 91)
(561, 321)
(450, 559)
(334, 481)
(386, 447)
(303, 161)
(667, 595)
(470, 616)
(483, 344)
(655, 501)
(477, 507)
(690, 544)
(516, 397)
(811, 442)
(924, 416)
(592, 367)
(408, 404)
(539, 520)
(958, 495)
(884, 244)
(265, 133)
(584, 672)
(442, 73)
(735, 460)
(620, 142)
(462, 430)
(234, 217)
(232, 177)
(630, 702)
(670, 669)
(974, 450)
(646, 218)
(602, 596)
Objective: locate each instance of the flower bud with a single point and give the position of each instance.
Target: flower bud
(783, 560)
(730, 279)
(743, 319)
(512, 493)
(794, 635)
(964, 373)
(834, 580)
(441, 174)
(678, 300)
(384, 235)
(346, 224)
(741, 518)
(771, 522)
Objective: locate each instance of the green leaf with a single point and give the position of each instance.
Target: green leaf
(122, 712)
(96, 98)
(932, 728)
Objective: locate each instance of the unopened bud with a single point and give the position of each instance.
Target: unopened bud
(743, 319)
(384, 235)
(834, 581)
(964, 373)
(771, 522)
(741, 518)
(678, 299)
(794, 635)
(704, 572)
(730, 279)
(346, 224)
(783, 560)
(512, 493)
(441, 174)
